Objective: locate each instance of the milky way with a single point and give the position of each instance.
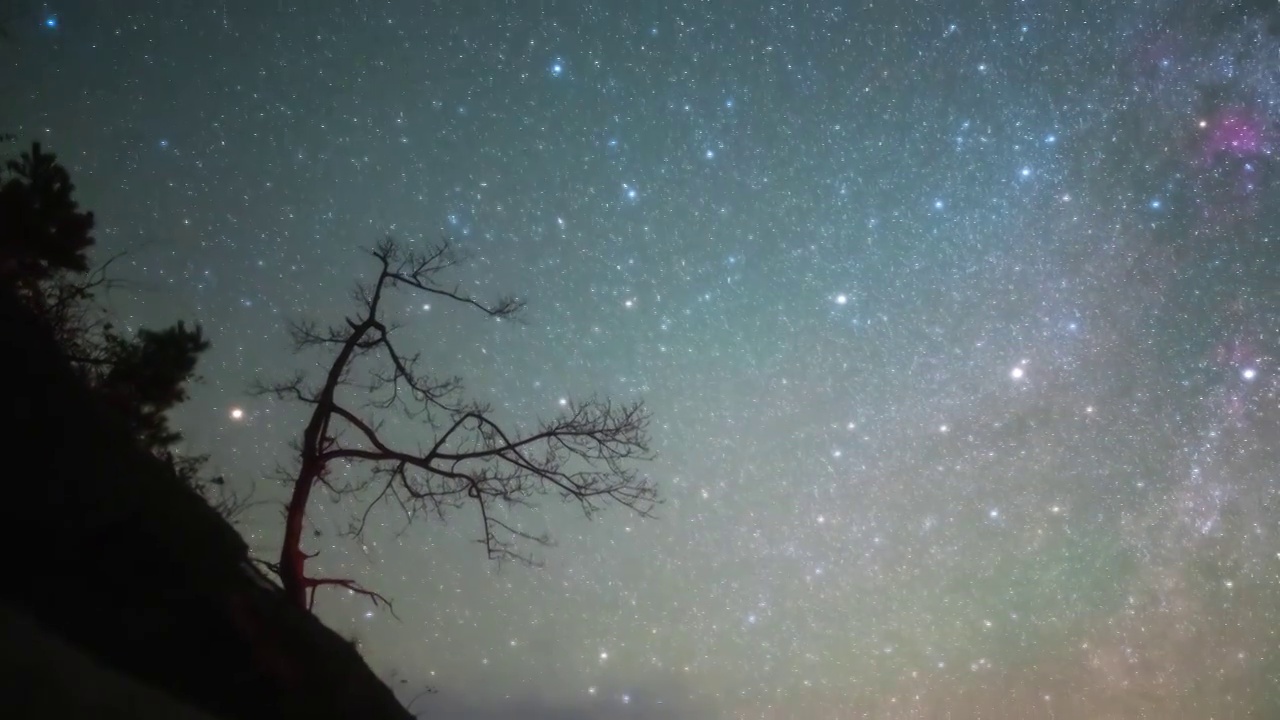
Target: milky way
(958, 322)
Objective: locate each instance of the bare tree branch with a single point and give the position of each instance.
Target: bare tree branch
(353, 586)
(429, 690)
(586, 455)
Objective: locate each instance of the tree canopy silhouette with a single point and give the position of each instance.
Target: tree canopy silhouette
(45, 239)
(45, 233)
(468, 458)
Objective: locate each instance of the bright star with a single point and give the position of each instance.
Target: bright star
(237, 413)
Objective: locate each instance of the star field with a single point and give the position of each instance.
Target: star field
(958, 322)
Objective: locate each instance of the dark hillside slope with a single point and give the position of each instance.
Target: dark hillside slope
(50, 678)
(106, 549)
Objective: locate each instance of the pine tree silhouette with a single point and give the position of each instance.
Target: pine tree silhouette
(45, 239)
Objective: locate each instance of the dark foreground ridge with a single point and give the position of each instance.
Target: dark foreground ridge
(123, 587)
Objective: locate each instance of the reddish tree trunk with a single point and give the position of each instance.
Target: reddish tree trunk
(292, 560)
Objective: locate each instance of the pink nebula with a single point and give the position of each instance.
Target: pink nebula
(1233, 131)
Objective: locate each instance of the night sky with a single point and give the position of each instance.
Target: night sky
(958, 322)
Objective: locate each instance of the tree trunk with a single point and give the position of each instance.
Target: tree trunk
(292, 560)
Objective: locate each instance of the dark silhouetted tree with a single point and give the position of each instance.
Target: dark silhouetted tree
(44, 242)
(46, 236)
(147, 375)
(467, 458)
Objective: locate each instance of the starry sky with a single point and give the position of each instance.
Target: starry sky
(958, 322)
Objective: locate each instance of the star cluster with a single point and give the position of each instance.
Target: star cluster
(958, 322)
